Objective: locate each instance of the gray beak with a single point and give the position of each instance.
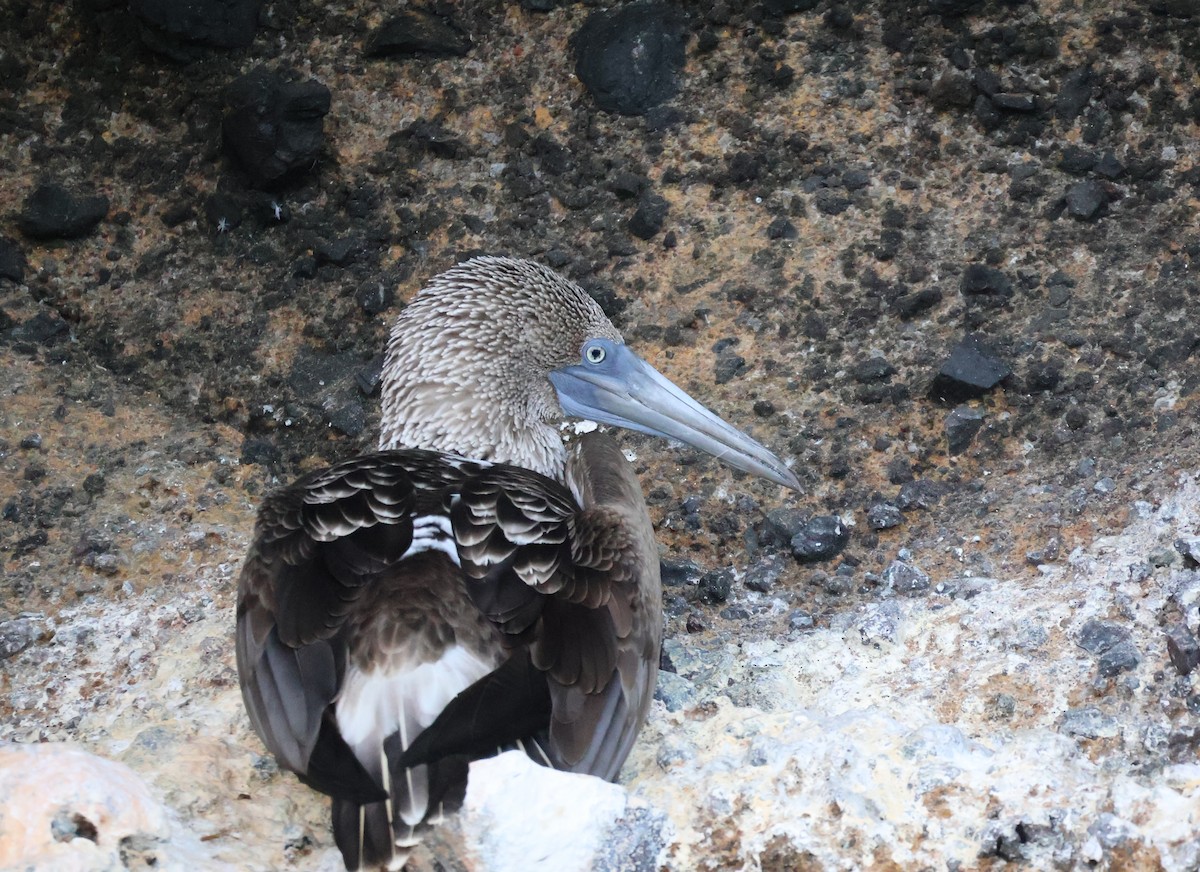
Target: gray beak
(623, 390)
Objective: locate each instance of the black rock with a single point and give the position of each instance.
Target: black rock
(780, 526)
(953, 8)
(905, 579)
(830, 202)
(370, 377)
(920, 493)
(338, 252)
(972, 370)
(1013, 102)
(1183, 649)
(820, 539)
(629, 59)
(763, 575)
(183, 31)
(986, 113)
(1111, 645)
(274, 127)
(782, 228)
(1076, 161)
(260, 451)
(911, 305)
(375, 296)
(41, 329)
(1074, 95)
(15, 636)
(981, 279)
(649, 217)
(961, 426)
(679, 573)
(883, 516)
(1121, 657)
(53, 212)
(1086, 199)
(433, 139)
(223, 211)
(1109, 167)
(416, 31)
(729, 366)
(873, 369)
(787, 7)
(627, 185)
(12, 261)
(350, 418)
(714, 586)
(953, 88)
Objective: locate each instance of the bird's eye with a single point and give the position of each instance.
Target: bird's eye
(593, 354)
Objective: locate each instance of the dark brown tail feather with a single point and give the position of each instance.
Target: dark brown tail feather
(366, 837)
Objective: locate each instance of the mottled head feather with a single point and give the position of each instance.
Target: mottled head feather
(469, 358)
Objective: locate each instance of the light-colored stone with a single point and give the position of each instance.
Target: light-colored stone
(65, 808)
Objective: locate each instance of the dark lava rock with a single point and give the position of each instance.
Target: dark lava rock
(787, 7)
(224, 212)
(905, 579)
(980, 279)
(780, 526)
(921, 493)
(764, 574)
(1183, 649)
(338, 252)
(715, 586)
(961, 426)
(182, 31)
(911, 305)
(53, 212)
(1109, 167)
(882, 516)
(873, 369)
(820, 539)
(274, 127)
(1014, 102)
(972, 370)
(1076, 161)
(1074, 95)
(1115, 652)
(678, 573)
(416, 31)
(12, 261)
(15, 637)
(729, 366)
(782, 228)
(953, 88)
(41, 329)
(260, 451)
(433, 139)
(375, 296)
(649, 217)
(1086, 199)
(629, 59)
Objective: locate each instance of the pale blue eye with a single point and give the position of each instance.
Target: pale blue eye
(594, 354)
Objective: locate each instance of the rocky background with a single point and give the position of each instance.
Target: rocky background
(938, 253)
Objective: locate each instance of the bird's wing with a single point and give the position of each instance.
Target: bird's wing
(320, 545)
(576, 581)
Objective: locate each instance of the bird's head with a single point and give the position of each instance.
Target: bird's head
(492, 354)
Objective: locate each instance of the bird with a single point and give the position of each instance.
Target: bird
(474, 585)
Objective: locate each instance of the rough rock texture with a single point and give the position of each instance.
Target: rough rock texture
(65, 808)
(849, 190)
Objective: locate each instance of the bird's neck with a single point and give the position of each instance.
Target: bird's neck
(471, 427)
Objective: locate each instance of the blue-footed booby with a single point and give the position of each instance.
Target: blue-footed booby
(476, 585)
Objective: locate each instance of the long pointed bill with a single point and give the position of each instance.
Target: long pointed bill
(625, 391)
